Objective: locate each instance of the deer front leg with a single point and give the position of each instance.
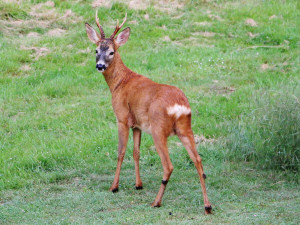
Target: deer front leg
(123, 138)
(136, 155)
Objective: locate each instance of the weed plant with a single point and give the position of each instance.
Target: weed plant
(269, 134)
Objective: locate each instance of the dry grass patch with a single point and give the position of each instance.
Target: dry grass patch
(166, 38)
(42, 15)
(251, 22)
(133, 22)
(204, 34)
(56, 32)
(215, 17)
(17, 116)
(275, 17)
(162, 5)
(221, 89)
(13, 27)
(33, 35)
(250, 34)
(203, 140)
(44, 11)
(25, 67)
(101, 3)
(138, 4)
(37, 52)
(199, 140)
(264, 66)
(146, 17)
(203, 23)
(87, 50)
(194, 41)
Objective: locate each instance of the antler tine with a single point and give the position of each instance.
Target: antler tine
(99, 26)
(118, 27)
(125, 18)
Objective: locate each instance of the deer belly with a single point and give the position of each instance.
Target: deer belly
(145, 127)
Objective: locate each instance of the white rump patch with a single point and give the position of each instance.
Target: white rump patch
(178, 110)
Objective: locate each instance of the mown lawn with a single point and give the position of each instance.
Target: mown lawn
(58, 133)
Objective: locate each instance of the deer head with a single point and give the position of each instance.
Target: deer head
(106, 47)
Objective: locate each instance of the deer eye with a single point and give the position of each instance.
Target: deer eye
(111, 53)
(96, 51)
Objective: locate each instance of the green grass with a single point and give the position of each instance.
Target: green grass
(269, 135)
(58, 133)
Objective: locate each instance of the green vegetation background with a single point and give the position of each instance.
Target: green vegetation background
(237, 62)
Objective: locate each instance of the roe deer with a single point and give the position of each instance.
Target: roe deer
(143, 105)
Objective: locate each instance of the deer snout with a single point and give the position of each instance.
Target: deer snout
(100, 67)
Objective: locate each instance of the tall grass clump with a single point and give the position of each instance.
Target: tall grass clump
(268, 135)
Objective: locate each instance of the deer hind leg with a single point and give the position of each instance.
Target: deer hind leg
(160, 141)
(186, 136)
(123, 131)
(136, 155)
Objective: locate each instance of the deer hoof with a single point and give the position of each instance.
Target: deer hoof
(138, 187)
(208, 209)
(156, 205)
(115, 190)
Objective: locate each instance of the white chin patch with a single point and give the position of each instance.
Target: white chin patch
(178, 110)
(101, 70)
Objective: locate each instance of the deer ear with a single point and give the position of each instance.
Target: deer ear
(123, 36)
(92, 34)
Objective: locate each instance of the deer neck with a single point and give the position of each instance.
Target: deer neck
(116, 73)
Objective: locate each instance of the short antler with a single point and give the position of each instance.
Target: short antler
(118, 27)
(99, 26)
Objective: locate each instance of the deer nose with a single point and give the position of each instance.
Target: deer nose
(100, 67)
